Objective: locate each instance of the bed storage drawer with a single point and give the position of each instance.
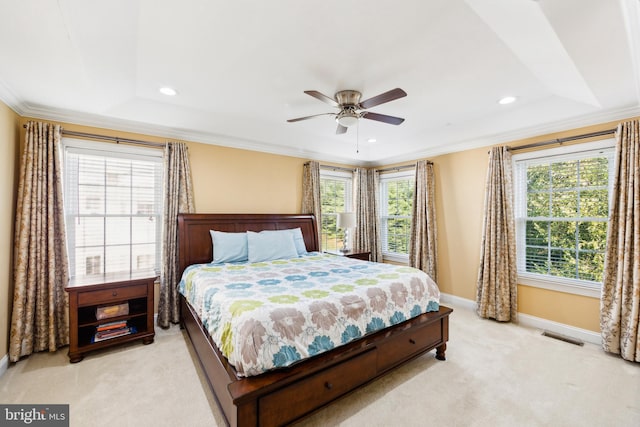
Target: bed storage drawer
(407, 343)
(316, 390)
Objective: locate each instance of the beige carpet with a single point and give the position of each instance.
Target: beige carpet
(495, 375)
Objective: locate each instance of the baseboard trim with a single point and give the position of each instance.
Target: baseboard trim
(560, 328)
(4, 364)
(458, 301)
(532, 321)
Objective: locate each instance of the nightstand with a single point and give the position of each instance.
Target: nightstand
(363, 255)
(88, 299)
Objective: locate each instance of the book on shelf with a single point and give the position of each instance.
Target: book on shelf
(111, 325)
(113, 333)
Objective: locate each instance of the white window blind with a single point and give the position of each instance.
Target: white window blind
(113, 207)
(335, 196)
(561, 209)
(396, 202)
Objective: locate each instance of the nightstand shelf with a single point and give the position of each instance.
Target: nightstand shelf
(109, 290)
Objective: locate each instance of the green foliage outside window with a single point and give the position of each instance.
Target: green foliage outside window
(332, 196)
(396, 215)
(566, 220)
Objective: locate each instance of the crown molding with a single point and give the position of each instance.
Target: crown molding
(10, 99)
(507, 137)
(114, 124)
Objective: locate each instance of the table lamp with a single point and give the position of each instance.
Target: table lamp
(346, 220)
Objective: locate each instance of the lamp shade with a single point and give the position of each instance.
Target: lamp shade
(346, 220)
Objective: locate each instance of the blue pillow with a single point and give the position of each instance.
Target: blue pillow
(269, 246)
(298, 240)
(229, 247)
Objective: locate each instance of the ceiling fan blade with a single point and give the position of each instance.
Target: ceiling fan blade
(341, 129)
(382, 118)
(310, 117)
(322, 97)
(382, 98)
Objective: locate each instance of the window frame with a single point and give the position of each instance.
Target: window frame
(78, 146)
(555, 283)
(410, 175)
(347, 178)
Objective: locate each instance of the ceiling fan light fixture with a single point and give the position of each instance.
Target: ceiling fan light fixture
(167, 90)
(507, 100)
(347, 118)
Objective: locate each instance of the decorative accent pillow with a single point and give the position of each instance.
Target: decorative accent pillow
(229, 247)
(267, 246)
(298, 240)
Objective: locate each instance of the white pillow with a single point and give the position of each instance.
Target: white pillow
(229, 247)
(298, 240)
(265, 246)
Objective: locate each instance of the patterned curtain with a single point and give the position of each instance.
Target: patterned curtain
(422, 246)
(367, 235)
(497, 274)
(40, 317)
(178, 198)
(311, 203)
(620, 303)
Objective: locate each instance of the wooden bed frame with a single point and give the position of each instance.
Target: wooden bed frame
(286, 395)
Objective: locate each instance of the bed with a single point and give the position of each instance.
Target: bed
(284, 395)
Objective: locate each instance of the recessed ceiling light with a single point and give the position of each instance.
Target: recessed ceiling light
(169, 91)
(507, 100)
(371, 140)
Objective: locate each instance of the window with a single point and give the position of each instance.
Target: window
(561, 211)
(113, 207)
(335, 196)
(396, 203)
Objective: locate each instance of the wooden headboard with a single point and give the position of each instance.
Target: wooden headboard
(194, 240)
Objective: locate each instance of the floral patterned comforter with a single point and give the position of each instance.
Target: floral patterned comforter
(268, 315)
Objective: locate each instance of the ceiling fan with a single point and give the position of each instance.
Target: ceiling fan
(352, 109)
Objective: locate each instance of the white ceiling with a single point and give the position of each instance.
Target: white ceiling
(240, 68)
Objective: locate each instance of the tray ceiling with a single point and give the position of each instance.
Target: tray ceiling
(240, 69)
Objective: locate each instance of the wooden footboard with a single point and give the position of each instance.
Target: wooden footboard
(285, 395)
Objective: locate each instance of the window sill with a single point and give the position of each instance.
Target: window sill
(569, 286)
(399, 258)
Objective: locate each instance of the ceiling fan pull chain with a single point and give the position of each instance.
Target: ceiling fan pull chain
(358, 137)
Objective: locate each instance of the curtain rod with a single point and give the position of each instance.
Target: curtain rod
(399, 168)
(562, 140)
(396, 168)
(393, 169)
(337, 168)
(115, 139)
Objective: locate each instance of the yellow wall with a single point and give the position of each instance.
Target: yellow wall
(228, 180)
(9, 131)
(459, 205)
(460, 198)
(577, 310)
